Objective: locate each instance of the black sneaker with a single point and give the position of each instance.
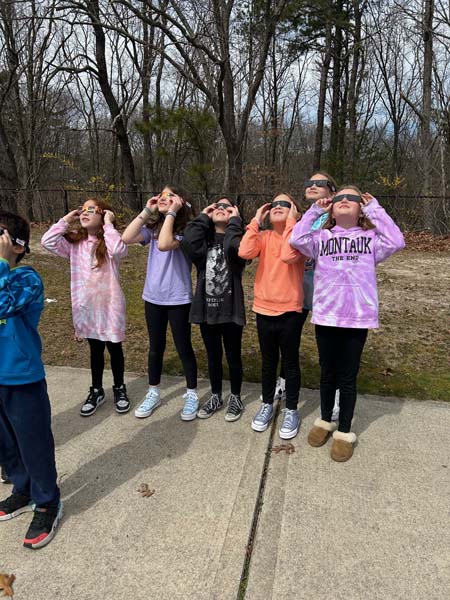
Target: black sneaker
(4, 477)
(14, 506)
(235, 408)
(43, 526)
(121, 399)
(93, 401)
(214, 404)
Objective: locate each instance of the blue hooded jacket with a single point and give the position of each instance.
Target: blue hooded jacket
(21, 304)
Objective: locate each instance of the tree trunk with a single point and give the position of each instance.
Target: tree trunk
(318, 139)
(117, 116)
(425, 133)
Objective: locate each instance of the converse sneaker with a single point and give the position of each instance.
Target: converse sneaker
(121, 399)
(214, 404)
(190, 407)
(263, 417)
(336, 408)
(43, 526)
(4, 477)
(14, 506)
(96, 398)
(234, 408)
(151, 401)
(291, 423)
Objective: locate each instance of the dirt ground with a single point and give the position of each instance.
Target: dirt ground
(407, 356)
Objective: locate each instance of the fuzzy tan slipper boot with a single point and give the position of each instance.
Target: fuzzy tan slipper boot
(342, 447)
(320, 433)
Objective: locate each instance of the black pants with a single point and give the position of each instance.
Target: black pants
(340, 350)
(231, 336)
(157, 317)
(27, 449)
(98, 361)
(281, 334)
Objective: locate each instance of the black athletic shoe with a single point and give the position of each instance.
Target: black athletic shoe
(43, 526)
(93, 401)
(121, 399)
(14, 506)
(214, 404)
(4, 477)
(234, 408)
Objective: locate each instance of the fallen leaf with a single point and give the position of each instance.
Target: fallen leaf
(145, 491)
(6, 582)
(288, 448)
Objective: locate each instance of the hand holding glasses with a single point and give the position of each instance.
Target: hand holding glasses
(14, 240)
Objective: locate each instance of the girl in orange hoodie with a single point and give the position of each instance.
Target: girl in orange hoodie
(278, 303)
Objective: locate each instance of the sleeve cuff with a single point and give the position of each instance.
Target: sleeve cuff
(371, 207)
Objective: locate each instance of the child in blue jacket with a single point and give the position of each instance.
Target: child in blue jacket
(27, 450)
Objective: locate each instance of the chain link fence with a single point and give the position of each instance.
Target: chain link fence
(411, 213)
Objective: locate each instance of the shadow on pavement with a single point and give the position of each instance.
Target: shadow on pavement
(155, 441)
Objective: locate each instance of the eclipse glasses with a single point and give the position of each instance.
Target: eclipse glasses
(349, 197)
(320, 183)
(283, 203)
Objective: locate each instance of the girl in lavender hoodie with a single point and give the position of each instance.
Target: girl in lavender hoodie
(357, 235)
(167, 293)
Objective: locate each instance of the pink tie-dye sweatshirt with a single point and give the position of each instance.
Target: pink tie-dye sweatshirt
(345, 283)
(98, 302)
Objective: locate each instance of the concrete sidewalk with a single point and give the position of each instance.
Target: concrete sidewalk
(375, 527)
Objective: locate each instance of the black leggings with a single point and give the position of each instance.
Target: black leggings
(340, 350)
(157, 317)
(231, 335)
(98, 361)
(281, 333)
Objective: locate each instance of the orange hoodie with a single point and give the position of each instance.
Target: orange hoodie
(279, 276)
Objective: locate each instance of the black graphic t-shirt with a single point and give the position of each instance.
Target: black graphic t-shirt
(218, 284)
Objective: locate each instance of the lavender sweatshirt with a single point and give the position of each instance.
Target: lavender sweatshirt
(345, 283)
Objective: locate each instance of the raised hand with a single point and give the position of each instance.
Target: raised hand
(233, 211)
(152, 203)
(109, 216)
(72, 216)
(6, 245)
(262, 211)
(176, 203)
(293, 212)
(366, 198)
(209, 209)
(325, 203)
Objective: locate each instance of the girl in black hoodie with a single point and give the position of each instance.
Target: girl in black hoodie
(211, 241)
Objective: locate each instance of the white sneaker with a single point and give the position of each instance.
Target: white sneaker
(151, 401)
(336, 408)
(190, 408)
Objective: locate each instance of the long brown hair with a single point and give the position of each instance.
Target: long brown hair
(79, 233)
(183, 215)
(363, 221)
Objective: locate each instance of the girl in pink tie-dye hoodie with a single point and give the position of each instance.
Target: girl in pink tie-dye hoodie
(356, 237)
(95, 249)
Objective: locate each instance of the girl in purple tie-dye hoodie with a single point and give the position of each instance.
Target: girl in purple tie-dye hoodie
(356, 237)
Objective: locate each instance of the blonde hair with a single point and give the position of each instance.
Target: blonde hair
(363, 221)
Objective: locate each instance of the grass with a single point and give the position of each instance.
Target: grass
(408, 356)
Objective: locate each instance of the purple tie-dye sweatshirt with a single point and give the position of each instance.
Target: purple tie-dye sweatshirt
(345, 283)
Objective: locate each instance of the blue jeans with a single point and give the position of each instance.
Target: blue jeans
(27, 449)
